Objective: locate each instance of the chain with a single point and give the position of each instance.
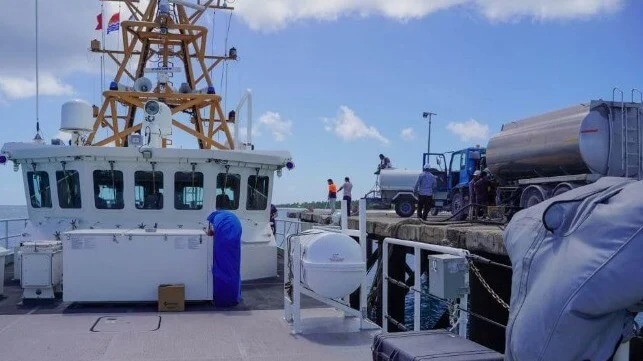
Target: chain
(448, 303)
(484, 283)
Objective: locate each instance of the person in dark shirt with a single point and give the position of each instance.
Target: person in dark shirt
(385, 163)
(273, 215)
(481, 191)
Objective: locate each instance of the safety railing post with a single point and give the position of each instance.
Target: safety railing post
(344, 216)
(296, 285)
(385, 286)
(6, 234)
(463, 320)
(417, 296)
(363, 294)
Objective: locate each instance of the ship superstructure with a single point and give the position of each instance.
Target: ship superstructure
(134, 177)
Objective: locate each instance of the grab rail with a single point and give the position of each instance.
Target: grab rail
(4, 240)
(417, 268)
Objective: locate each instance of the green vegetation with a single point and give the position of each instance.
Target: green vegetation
(317, 205)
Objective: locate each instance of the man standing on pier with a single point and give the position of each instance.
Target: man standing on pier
(424, 187)
(332, 195)
(347, 187)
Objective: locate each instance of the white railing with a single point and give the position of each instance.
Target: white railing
(284, 228)
(292, 304)
(417, 287)
(4, 226)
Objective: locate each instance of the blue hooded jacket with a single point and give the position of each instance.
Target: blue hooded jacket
(226, 268)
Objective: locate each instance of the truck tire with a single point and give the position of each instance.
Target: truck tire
(457, 205)
(532, 195)
(459, 208)
(405, 207)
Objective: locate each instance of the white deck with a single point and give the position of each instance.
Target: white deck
(193, 336)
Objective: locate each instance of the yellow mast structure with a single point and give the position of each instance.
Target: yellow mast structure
(166, 30)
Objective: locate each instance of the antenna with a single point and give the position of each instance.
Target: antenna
(38, 137)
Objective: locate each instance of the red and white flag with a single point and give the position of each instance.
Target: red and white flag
(114, 23)
(99, 22)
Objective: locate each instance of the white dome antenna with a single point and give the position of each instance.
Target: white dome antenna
(143, 84)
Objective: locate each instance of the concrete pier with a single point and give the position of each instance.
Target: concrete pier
(475, 237)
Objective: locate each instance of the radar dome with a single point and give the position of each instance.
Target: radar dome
(332, 264)
(77, 116)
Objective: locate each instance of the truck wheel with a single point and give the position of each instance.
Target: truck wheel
(405, 208)
(458, 207)
(531, 196)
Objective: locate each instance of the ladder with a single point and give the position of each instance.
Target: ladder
(633, 152)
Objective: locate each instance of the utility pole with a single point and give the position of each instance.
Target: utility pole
(428, 115)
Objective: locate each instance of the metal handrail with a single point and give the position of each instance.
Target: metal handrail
(417, 246)
(6, 237)
(287, 229)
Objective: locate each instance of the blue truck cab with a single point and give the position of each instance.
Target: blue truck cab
(453, 176)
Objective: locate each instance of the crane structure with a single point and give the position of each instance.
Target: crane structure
(163, 34)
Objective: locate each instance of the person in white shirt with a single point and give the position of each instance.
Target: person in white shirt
(347, 187)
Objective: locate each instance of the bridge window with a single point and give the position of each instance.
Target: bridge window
(108, 189)
(188, 190)
(228, 187)
(257, 193)
(68, 182)
(148, 190)
(39, 192)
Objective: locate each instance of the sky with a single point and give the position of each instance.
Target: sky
(337, 82)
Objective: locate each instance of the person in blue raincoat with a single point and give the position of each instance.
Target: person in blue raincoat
(226, 268)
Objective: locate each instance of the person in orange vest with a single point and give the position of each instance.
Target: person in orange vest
(332, 195)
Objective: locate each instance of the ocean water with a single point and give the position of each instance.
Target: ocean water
(11, 212)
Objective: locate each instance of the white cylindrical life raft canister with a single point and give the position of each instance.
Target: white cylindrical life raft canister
(332, 264)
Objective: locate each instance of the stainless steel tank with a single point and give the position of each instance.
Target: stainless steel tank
(586, 138)
(398, 179)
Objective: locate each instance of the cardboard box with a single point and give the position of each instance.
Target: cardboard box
(171, 298)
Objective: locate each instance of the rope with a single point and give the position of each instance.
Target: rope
(396, 323)
(474, 257)
(214, 22)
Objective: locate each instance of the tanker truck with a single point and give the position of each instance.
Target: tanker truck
(452, 175)
(543, 156)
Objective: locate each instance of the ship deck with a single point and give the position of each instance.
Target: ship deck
(254, 330)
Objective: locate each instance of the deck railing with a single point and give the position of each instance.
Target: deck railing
(4, 228)
(462, 321)
(284, 228)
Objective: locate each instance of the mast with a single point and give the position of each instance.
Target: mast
(165, 33)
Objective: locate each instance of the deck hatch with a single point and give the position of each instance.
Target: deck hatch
(127, 324)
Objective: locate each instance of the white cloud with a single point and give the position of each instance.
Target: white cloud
(276, 14)
(469, 130)
(408, 134)
(279, 128)
(243, 132)
(18, 88)
(348, 126)
(63, 45)
(546, 9)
